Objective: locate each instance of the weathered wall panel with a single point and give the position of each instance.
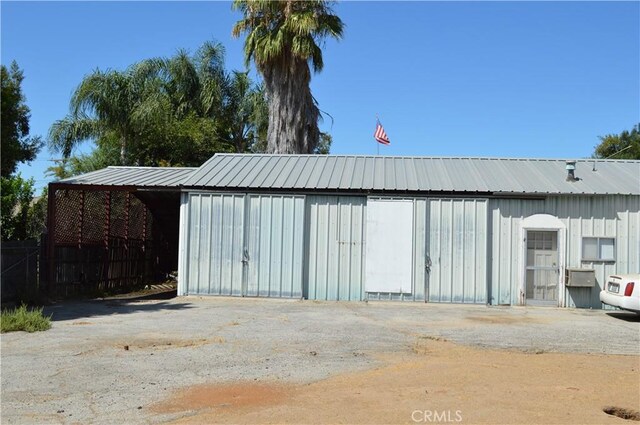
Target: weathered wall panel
(608, 216)
(315, 247)
(242, 245)
(505, 239)
(214, 242)
(335, 237)
(457, 248)
(275, 235)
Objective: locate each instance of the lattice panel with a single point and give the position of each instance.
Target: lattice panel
(95, 217)
(137, 220)
(68, 205)
(119, 212)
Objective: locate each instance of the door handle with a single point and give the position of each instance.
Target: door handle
(427, 264)
(245, 256)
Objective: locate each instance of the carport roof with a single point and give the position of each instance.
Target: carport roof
(415, 174)
(144, 177)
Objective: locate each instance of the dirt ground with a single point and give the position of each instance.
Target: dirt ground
(439, 382)
(221, 360)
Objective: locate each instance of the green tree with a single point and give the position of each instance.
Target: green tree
(283, 40)
(324, 146)
(105, 103)
(625, 145)
(16, 144)
(17, 194)
(242, 123)
(104, 155)
(175, 111)
(37, 216)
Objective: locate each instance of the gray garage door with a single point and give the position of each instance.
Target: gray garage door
(244, 245)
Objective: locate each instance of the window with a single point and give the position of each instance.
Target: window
(546, 241)
(598, 249)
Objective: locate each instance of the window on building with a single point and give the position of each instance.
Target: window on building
(598, 249)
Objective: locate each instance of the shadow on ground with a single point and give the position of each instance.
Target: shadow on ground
(70, 310)
(627, 316)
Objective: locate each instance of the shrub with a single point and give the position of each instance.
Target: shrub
(22, 319)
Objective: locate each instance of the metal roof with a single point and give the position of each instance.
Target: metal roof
(414, 174)
(165, 177)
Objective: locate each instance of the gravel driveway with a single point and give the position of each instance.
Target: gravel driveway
(107, 361)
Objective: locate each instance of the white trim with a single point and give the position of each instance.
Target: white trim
(542, 222)
(182, 243)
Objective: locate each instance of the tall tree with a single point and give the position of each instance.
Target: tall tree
(16, 209)
(19, 219)
(17, 146)
(625, 145)
(162, 111)
(283, 39)
(242, 121)
(104, 102)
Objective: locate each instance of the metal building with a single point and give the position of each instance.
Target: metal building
(459, 230)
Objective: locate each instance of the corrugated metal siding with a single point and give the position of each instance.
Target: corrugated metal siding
(420, 174)
(457, 234)
(275, 236)
(609, 216)
(457, 246)
(506, 215)
(244, 245)
(336, 229)
(215, 227)
(335, 238)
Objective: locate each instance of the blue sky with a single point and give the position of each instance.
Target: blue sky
(507, 79)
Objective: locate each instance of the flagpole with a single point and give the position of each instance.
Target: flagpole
(377, 143)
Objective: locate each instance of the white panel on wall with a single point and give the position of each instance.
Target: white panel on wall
(389, 245)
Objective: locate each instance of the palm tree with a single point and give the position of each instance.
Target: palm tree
(178, 110)
(282, 39)
(243, 116)
(104, 102)
(201, 85)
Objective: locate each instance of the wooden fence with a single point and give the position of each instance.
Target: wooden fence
(95, 269)
(20, 270)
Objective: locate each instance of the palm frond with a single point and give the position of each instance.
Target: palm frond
(276, 29)
(67, 133)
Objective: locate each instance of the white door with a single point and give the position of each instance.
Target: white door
(542, 267)
(389, 246)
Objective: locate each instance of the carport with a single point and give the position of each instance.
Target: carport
(112, 229)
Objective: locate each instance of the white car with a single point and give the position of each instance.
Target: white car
(622, 291)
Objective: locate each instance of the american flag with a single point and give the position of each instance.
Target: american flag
(380, 135)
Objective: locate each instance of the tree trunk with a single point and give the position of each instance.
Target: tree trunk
(293, 115)
(123, 150)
